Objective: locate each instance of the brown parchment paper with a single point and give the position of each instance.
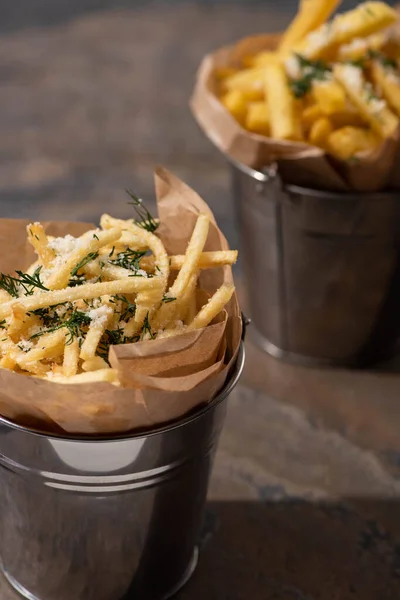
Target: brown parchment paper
(162, 379)
(298, 163)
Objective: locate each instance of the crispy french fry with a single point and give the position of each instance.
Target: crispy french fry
(257, 118)
(245, 80)
(311, 14)
(284, 120)
(330, 96)
(310, 115)
(213, 307)
(207, 260)
(95, 332)
(235, 102)
(90, 243)
(358, 48)
(102, 375)
(89, 290)
(38, 238)
(347, 142)
(189, 267)
(388, 81)
(372, 108)
(366, 19)
(71, 358)
(320, 132)
(95, 364)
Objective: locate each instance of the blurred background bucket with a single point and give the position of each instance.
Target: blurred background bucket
(105, 519)
(322, 269)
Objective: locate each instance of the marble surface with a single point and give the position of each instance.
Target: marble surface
(304, 501)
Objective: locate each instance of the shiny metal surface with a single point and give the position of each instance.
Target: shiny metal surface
(105, 519)
(322, 269)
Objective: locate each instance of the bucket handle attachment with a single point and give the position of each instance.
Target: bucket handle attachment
(246, 322)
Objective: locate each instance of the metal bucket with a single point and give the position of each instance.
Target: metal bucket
(322, 269)
(105, 519)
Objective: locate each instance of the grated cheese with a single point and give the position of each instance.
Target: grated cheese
(99, 316)
(292, 67)
(25, 345)
(353, 78)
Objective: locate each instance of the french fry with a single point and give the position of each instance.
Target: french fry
(310, 115)
(311, 14)
(213, 307)
(235, 102)
(367, 19)
(90, 242)
(189, 267)
(89, 290)
(257, 118)
(284, 119)
(330, 96)
(38, 238)
(102, 375)
(372, 108)
(207, 260)
(244, 81)
(358, 48)
(71, 358)
(95, 332)
(388, 81)
(347, 142)
(95, 364)
(320, 131)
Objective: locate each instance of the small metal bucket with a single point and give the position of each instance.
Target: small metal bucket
(322, 269)
(106, 518)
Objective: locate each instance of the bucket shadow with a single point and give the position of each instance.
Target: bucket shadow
(299, 550)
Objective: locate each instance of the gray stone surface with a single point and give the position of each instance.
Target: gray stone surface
(304, 499)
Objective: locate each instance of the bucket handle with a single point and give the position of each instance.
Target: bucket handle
(246, 322)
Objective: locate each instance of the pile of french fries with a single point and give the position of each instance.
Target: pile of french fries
(334, 85)
(113, 285)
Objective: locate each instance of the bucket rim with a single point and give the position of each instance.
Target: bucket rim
(229, 385)
(261, 177)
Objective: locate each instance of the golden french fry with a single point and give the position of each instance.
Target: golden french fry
(330, 96)
(372, 108)
(62, 267)
(284, 119)
(235, 102)
(207, 260)
(245, 80)
(95, 364)
(358, 48)
(100, 319)
(213, 307)
(102, 375)
(71, 358)
(320, 131)
(311, 14)
(38, 238)
(347, 142)
(388, 81)
(189, 267)
(89, 290)
(310, 115)
(257, 118)
(366, 19)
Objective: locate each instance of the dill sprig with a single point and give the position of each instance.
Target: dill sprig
(127, 311)
(167, 299)
(27, 282)
(3, 324)
(385, 61)
(146, 221)
(129, 259)
(85, 260)
(147, 329)
(310, 70)
(74, 323)
(113, 337)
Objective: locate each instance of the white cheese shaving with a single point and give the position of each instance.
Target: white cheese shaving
(25, 345)
(99, 316)
(316, 40)
(352, 77)
(292, 67)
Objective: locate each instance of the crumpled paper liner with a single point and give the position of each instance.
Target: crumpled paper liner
(298, 163)
(162, 379)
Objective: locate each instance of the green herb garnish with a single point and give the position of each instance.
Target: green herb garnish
(74, 324)
(146, 220)
(87, 259)
(129, 259)
(147, 329)
(311, 70)
(167, 299)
